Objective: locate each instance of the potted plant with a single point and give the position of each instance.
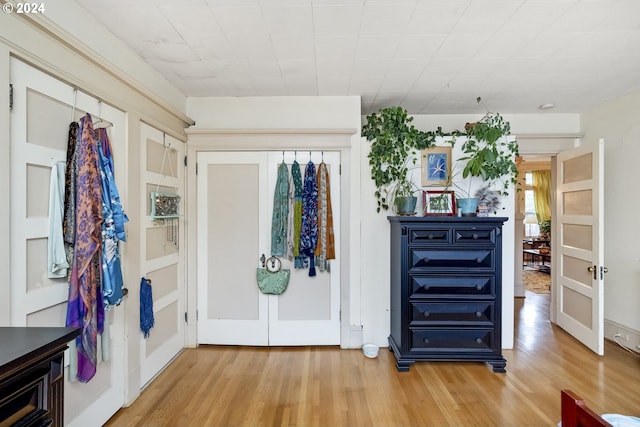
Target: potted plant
(394, 144)
(545, 228)
(488, 155)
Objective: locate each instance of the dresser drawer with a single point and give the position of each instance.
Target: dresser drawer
(474, 235)
(447, 340)
(428, 286)
(451, 313)
(450, 258)
(431, 236)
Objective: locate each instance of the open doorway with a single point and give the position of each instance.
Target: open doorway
(534, 208)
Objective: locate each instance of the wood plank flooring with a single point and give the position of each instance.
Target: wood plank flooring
(327, 386)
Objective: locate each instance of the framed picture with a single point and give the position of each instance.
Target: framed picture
(439, 203)
(436, 166)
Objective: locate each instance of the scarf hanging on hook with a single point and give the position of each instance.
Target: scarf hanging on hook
(85, 308)
(325, 250)
(296, 178)
(280, 212)
(309, 231)
(147, 320)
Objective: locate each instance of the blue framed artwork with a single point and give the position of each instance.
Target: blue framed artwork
(436, 166)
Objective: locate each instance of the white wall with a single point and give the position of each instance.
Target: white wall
(618, 122)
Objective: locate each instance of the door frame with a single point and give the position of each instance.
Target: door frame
(547, 145)
(278, 140)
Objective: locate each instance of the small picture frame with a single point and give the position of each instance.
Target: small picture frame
(436, 166)
(438, 203)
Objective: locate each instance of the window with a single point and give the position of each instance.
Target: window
(531, 227)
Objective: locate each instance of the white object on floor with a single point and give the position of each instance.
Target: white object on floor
(370, 350)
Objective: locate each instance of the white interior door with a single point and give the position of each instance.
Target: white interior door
(578, 248)
(232, 206)
(43, 109)
(235, 200)
(162, 251)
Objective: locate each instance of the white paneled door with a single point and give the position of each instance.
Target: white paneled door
(162, 250)
(235, 204)
(42, 111)
(578, 250)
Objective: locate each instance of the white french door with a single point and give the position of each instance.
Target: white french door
(578, 248)
(235, 201)
(43, 109)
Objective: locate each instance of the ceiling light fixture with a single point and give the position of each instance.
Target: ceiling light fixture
(546, 106)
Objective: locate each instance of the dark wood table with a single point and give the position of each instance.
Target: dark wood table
(535, 254)
(32, 375)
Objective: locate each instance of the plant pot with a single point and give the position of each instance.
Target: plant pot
(405, 205)
(467, 207)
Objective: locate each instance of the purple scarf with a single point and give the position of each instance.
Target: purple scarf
(85, 308)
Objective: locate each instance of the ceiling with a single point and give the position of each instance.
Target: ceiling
(429, 56)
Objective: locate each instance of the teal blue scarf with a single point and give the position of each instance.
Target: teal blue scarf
(280, 212)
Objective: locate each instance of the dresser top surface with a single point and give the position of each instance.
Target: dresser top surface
(18, 343)
(448, 219)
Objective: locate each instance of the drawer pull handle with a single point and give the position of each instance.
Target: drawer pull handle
(430, 237)
(426, 340)
(475, 236)
(425, 260)
(425, 313)
(478, 314)
(479, 287)
(478, 260)
(478, 340)
(425, 287)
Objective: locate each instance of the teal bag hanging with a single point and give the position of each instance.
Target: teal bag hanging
(273, 279)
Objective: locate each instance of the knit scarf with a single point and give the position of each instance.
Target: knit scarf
(146, 307)
(309, 231)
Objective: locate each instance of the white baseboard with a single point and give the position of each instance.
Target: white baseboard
(630, 337)
(518, 290)
(353, 338)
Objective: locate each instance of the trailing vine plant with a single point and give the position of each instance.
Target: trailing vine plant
(487, 154)
(395, 142)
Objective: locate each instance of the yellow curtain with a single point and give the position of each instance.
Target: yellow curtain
(542, 194)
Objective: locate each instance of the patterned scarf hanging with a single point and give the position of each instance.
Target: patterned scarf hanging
(112, 226)
(69, 222)
(309, 232)
(85, 308)
(280, 212)
(296, 177)
(325, 250)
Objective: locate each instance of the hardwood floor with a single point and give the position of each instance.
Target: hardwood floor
(326, 386)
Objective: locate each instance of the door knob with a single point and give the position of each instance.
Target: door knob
(591, 269)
